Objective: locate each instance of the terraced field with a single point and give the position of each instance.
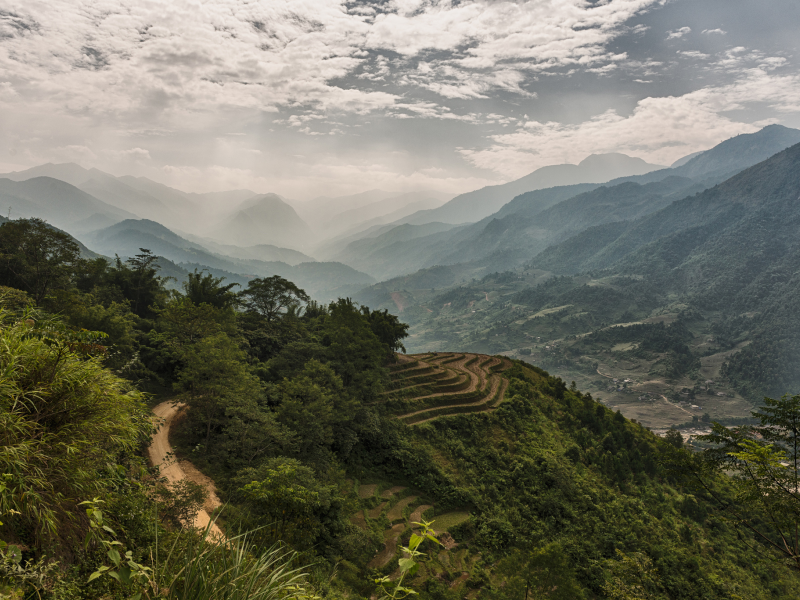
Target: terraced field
(436, 385)
(394, 509)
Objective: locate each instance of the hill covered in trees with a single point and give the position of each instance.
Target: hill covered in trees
(320, 437)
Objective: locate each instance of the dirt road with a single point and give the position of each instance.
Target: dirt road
(160, 452)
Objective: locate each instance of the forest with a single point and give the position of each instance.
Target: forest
(291, 408)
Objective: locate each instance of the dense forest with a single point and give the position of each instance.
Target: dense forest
(284, 406)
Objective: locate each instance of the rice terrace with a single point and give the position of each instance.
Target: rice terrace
(430, 386)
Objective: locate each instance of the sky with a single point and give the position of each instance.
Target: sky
(327, 97)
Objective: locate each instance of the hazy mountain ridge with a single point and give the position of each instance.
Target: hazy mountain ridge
(536, 220)
(56, 201)
(322, 280)
(597, 168)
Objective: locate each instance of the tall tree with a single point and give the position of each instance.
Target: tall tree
(36, 258)
(202, 287)
(764, 464)
(273, 296)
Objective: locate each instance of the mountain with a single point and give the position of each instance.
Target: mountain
(325, 281)
(382, 211)
(536, 220)
(597, 168)
(263, 252)
(380, 255)
(264, 219)
(142, 197)
(55, 201)
(740, 152)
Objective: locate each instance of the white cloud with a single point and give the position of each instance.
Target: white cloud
(714, 31)
(678, 33)
(674, 126)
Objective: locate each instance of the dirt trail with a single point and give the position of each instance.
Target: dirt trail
(159, 451)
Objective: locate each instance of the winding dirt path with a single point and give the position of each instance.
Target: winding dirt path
(160, 453)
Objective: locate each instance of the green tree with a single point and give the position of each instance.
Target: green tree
(203, 288)
(542, 573)
(631, 577)
(387, 328)
(36, 257)
(215, 376)
(288, 500)
(765, 465)
(314, 405)
(64, 420)
(273, 296)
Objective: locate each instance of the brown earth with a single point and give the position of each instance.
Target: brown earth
(161, 456)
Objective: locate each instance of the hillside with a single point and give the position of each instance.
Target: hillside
(56, 201)
(537, 220)
(474, 206)
(706, 288)
(264, 219)
(323, 280)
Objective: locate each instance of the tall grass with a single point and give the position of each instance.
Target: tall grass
(199, 567)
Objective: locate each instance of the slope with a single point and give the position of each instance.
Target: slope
(54, 200)
(265, 219)
(474, 206)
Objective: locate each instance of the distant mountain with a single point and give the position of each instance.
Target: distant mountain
(717, 208)
(384, 211)
(318, 211)
(682, 161)
(55, 201)
(265, 219)
(533, 221)
(324, 280)
(597, 168)
(142, 197)
(264, 252)
(740, 152)
(380, 256)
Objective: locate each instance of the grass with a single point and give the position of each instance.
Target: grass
(446, 521)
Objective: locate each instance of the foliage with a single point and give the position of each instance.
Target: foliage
(272, 296)
(765, 462)
(409, 563)
(64, 419)
(36, 257)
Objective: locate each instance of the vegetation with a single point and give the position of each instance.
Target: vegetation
(335, 458)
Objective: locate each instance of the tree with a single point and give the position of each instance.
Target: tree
(272, 296)
(674, 438)
(541, 573)
(388, 329)
(203, 288)
(65, 422)
(287, 499)
(215, 377)
(137, 280)
(36, 257)
(765, 465)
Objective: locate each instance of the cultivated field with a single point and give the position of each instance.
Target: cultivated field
(435, 385)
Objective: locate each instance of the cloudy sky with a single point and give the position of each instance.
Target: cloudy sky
(310, 97)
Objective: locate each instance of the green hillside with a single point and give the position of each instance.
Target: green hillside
(313, 432)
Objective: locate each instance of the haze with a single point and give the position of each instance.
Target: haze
(309, 98)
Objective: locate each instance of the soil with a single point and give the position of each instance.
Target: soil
(161, 456)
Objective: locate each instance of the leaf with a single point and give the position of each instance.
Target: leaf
(97, 573)
(125, 574)
(114, 556)
(406, 564)
(415, 541)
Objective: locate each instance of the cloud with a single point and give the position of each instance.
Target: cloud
(674, 126)
(126, 59)
(678, 33)
(714, 31)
